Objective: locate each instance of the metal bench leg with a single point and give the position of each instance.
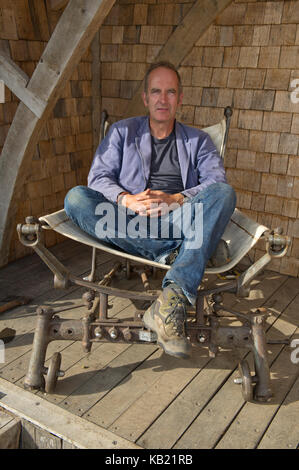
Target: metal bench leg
(34, 378)
(91, 276)
(263, 390)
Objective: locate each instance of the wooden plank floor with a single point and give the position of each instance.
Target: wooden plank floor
(139, 393)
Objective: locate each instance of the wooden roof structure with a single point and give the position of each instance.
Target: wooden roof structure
(76, 29)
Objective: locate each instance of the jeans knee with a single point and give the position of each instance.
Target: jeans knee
(220, 192)
(227, 194)
(73, 198)
(232, 197)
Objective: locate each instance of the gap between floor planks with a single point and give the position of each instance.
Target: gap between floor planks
(114, 390)
(162, 435)
(227, 421)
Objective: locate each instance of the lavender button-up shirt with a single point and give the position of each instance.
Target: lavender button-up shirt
(123, 159)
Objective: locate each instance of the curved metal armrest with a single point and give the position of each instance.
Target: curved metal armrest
(277, 246)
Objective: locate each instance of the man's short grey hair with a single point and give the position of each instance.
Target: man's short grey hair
(166, 65)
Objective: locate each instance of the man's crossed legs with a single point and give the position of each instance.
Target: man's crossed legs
(192, 230)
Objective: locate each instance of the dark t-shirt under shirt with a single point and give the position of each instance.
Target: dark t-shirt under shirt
(165, 174)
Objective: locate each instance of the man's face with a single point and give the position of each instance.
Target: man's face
(162, 98)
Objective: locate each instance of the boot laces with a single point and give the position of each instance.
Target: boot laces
(178, 315)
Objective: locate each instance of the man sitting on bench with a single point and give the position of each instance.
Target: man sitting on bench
(157, 189)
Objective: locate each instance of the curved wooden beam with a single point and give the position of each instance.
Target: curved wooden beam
(78, 24)
(195, 23)
(57, 4)
(16, 80)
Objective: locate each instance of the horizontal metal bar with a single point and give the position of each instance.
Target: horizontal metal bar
(126, 294)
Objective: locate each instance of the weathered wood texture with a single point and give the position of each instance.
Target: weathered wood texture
(142, 395)
(178, 45)
(58, 4)
(46, 416)
(75, 30)
(96, 91)
(16, 80)
(10, 430)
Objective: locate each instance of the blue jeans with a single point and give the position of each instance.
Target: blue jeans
(195, 228)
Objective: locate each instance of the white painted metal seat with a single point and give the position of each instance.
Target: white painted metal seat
(240, 236)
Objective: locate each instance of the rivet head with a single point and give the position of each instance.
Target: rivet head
(113, 333)
(98, 332)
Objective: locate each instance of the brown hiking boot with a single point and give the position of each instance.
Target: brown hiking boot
(166, 317)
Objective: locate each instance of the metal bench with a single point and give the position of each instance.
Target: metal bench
(204, 323)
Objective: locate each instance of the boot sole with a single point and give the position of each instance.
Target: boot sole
(173, 354)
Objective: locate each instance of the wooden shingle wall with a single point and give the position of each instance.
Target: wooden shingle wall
(248, 58)
(260, 46)
(64, 153)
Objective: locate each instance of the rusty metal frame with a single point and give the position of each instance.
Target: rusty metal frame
(203, 326)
